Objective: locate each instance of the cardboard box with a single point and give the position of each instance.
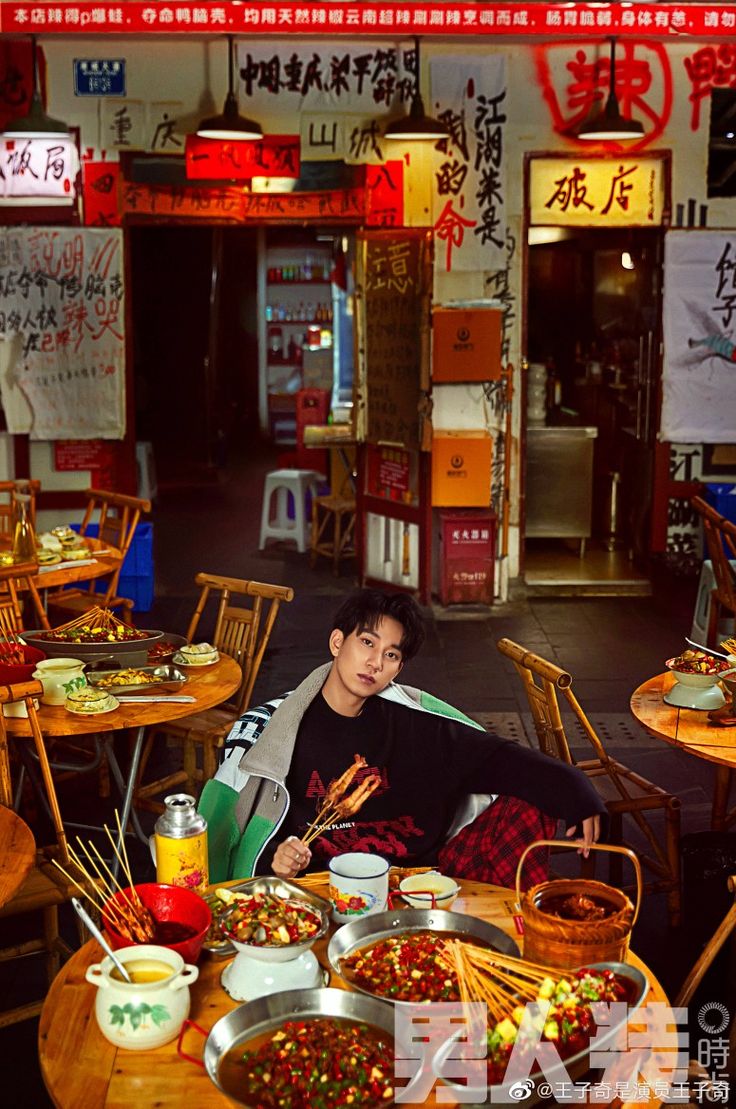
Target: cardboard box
(461, 469)
(466, 344)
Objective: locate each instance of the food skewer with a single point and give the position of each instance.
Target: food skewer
(344, 807)
(111, 909)
(137, 918)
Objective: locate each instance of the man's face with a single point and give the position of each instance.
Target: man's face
(367, 661)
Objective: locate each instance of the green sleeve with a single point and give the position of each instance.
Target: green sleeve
(434, 704)
(217, 806)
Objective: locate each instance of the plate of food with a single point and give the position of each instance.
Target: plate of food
(398, 956)
(197, 654)
(140, 679)
(222, 899)
(90, 702)
(697, 675)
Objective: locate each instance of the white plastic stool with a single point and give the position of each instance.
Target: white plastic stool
(701, 616)
(283, 482)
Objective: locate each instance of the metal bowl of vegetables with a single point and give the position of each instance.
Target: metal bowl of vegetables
(233, 1049)
(368, 936)
(273, 929)
(569, 1029)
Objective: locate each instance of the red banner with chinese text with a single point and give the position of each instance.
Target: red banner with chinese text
(97, 17)
(271, 156)
(100, 194)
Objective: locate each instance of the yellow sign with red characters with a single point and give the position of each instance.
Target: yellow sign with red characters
(610, 191)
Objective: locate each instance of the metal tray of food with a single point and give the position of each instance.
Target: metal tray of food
(233, 1032)
(379, 926)
(216, 944)
(139, 679)
(570, 1068)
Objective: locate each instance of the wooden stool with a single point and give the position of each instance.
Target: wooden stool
(341, 544)
(281, 483)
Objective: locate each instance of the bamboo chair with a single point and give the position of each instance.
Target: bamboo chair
(241, 631)
(720, 538)
(15, 578)
(46, 887)
(623, 791)
(118, 517)
(9, 489)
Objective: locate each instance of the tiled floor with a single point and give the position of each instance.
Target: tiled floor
(609, 644)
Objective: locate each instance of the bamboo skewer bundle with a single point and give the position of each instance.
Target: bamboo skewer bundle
(729, 646)
(501, 981)
(121, 908)
(11, 645)
(97, 618)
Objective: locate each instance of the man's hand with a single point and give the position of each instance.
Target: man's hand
(290, 857)
(591, 832)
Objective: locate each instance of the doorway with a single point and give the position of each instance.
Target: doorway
(593, 341)
(195, 345)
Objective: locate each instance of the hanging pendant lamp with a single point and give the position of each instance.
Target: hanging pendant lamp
(36, 124)
(609, 123)
(229, 125)
(417, 125)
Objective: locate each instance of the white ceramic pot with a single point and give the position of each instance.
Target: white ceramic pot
(59, 677)
(142, 1015)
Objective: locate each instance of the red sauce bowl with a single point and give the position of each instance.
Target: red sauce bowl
(170, 906)
(14, 672)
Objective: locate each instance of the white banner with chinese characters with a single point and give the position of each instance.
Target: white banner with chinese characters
(596, 192)
(38, 171)
(469, 218)
(699, 371)
(62, 319)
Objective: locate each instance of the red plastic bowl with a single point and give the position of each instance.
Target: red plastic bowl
(14, 672)
(168, 903)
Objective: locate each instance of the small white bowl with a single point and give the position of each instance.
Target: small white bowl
(695, 680)
(199, 654)
(419, 889)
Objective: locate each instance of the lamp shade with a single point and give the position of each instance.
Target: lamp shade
(36, 124)
(417, 125)
(609, 124)
(229, 125)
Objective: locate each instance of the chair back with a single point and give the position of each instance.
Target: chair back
(27, 691)
(19, 576)
(242, 629)
(720, 538)
(8, 490)
(117, 517)
(542, 679)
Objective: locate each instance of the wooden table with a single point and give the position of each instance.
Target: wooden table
(691, 731)
(210, 685)
(82, 1070)
(17, 853)
(69, 573)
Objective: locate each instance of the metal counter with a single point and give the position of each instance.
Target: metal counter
(559, 482)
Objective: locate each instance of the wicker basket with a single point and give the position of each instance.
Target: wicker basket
(555, 942)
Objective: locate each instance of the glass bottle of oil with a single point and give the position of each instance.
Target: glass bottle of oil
(24, 537)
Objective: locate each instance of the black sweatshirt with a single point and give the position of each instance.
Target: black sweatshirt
(427, 765)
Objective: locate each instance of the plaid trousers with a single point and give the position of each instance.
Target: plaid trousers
(489, 849)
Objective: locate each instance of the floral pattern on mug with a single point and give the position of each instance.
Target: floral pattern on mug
(353, 905)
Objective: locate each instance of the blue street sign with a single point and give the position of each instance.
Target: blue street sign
(99, 77)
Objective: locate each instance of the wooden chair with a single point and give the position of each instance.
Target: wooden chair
(117, 516)
(333, 529)
(242, 631)
(15, 578)
(720, 538)
(46, 887)
(623, 791)
(8, 489)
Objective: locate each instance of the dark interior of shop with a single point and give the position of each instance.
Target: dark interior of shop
(593, 304)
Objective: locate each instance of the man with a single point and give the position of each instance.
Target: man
(433, 761)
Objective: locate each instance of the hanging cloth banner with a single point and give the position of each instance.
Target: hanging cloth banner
(469, 97)
(699, 370)
(62, 316)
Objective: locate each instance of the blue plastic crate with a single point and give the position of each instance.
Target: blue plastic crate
(136, 578)
(723, 498)
(139, 589)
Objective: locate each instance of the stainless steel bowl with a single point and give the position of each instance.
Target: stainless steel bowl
(275, 952)
(217, 944)
(267, 1014)
(569, 1069)
(378, 926)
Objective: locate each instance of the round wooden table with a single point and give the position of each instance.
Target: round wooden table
(17, 853)
(209, 685)
(691, 731)
(82, 1070)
